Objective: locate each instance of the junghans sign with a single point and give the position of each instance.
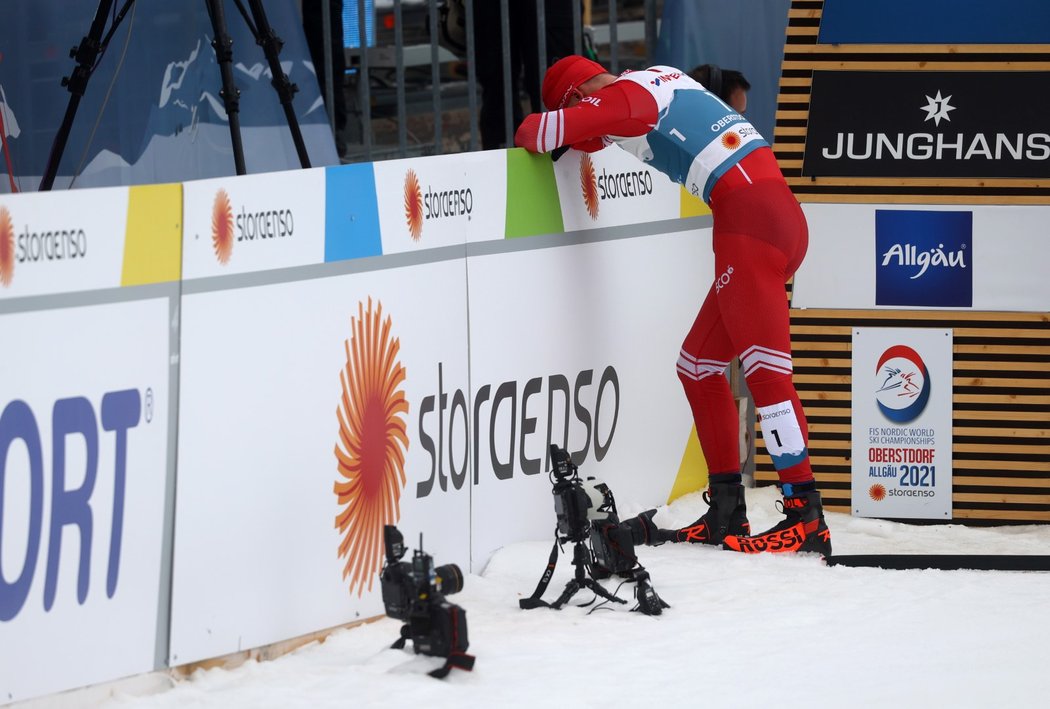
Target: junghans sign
(928, 124)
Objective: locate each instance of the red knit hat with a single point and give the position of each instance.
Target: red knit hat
(564, 76)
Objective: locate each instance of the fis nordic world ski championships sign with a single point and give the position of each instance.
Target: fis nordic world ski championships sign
(902, 423)
(928, 124)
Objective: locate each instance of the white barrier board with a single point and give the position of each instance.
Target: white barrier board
(916, 257)
(268, 443)
(591, 331)
(83, 452)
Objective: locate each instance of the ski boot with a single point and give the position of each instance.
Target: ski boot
(802, 530)
(726, 514)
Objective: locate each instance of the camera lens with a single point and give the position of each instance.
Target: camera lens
(449, 578)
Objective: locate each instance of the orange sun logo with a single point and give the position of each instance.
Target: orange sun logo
(730, 140)
(589, 183)
(370, 454)
(222, 227)
(7, 248)
(877, 492)
(413, 205)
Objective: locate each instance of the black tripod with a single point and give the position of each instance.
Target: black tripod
(581, 559)
(94, 45)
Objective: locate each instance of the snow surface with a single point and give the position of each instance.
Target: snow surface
(742, 631)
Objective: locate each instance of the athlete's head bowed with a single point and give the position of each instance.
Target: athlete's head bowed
(564, 83)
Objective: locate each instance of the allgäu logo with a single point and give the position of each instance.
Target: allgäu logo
(923, 258)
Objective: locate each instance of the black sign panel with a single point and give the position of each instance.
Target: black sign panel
(928, 124)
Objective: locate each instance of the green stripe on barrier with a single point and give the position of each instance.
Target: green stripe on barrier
(533, 206)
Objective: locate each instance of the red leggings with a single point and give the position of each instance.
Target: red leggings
(760, 238)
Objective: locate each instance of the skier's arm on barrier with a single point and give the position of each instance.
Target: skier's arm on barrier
(621, 109)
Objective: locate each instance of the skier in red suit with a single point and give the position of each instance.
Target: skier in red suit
(681, 128)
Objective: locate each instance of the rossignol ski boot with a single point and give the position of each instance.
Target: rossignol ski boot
(726, 514)
(802, 530)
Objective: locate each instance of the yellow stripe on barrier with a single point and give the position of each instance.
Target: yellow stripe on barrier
(692, 473)
(153, 242)
(693, 206)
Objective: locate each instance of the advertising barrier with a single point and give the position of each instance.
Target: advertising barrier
(574, 339)
(324, 395)
(87, 403)
(314, 411)
(400, 343)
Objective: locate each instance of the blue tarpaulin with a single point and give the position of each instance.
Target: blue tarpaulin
(746, 35)
(152, 111)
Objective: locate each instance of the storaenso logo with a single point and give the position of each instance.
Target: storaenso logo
(589, 186)
(625, 184)
(444, 417)
(611, 185)
(72, 505)
(413, 205)
(423, 206)
(448, 203)
(909, 255)
(60, 245)
(265, 224)
(370, 452)
(46, 245)
(222, 227)
(246, 226)
(7, 248)
(928, 124)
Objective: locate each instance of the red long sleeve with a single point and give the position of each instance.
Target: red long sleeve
(621, 109)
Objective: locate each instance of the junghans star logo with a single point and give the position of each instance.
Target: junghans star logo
(938, 108)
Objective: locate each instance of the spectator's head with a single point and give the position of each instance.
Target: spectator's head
(727, 84)
(563, 84)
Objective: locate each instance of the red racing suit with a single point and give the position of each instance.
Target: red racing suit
(674, 124)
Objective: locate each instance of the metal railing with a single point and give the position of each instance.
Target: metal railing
(410, 92)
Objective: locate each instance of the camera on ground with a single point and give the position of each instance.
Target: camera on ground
(414, 592)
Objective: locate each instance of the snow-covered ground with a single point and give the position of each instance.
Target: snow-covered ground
(742, 631)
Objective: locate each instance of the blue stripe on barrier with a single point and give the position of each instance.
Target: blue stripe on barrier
(351, 213)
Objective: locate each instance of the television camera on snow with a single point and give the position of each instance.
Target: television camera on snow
(603, 546)
(414, 592)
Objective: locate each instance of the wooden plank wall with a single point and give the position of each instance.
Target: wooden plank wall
(802, 55)
(1001, 370)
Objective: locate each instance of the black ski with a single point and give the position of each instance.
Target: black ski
(945, 562)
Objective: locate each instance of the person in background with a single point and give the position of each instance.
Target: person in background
(675, 124)
(524, 59)
(727, 84)
(313, 28)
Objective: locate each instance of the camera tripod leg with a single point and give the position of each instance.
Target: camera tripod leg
(597, 588)
(571, 589)
(271, 45)
(582, 580)
(231, 95)
(86, 55)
